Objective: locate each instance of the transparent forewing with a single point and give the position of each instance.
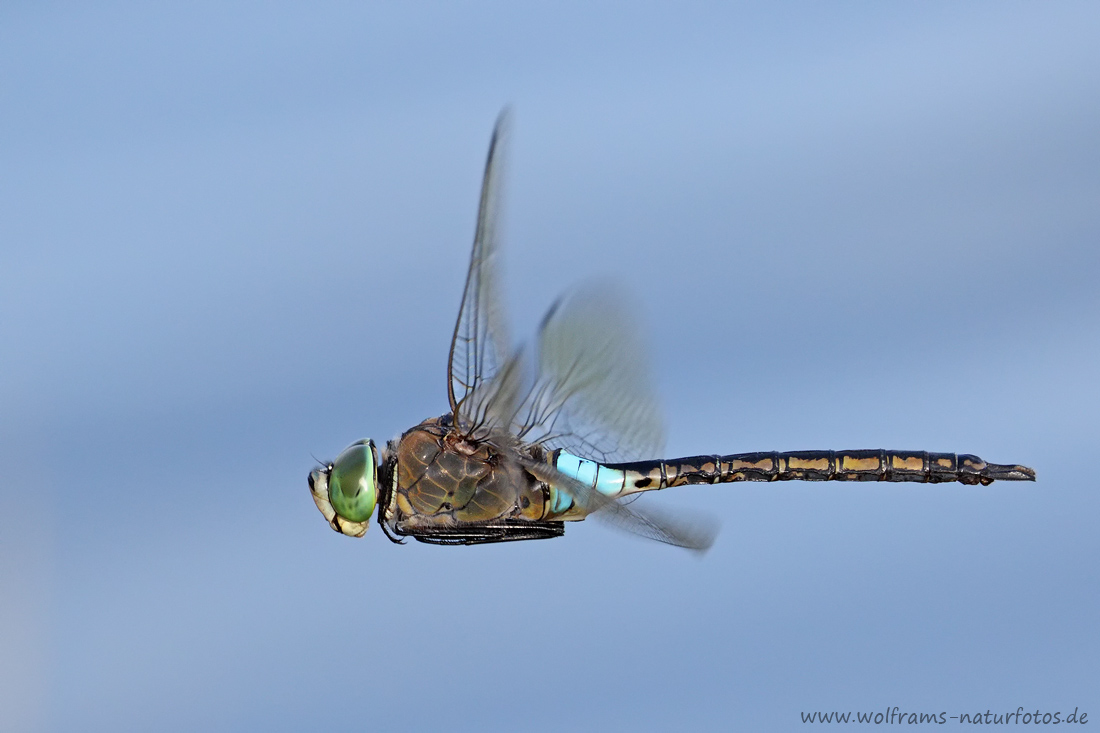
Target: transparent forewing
(591, 394)
(491, 407)
(479, 347)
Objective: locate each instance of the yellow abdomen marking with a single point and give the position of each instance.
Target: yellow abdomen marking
(907, 464)
(850, 463)
(802, 464)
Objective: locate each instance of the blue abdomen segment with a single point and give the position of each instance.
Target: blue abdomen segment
(607, 481)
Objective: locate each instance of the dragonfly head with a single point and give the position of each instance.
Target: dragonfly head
(346, 490)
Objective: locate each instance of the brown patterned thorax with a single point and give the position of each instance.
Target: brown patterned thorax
(444, 479)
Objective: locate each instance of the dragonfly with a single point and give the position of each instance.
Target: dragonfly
(535, 439)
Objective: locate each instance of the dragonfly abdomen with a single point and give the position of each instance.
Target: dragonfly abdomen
(854, 465)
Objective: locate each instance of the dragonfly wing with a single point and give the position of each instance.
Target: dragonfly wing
(479, 346)
(591, 395)
(694, 534)
(491, 408)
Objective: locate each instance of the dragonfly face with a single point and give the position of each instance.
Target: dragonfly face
(346, 490)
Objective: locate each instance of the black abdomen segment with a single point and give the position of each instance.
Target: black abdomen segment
(819, 465)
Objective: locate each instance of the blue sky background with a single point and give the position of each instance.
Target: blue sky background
(233, 234)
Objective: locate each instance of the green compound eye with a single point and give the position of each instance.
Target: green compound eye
(352, 485)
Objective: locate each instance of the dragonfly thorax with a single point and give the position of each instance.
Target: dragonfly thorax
(459, 443)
